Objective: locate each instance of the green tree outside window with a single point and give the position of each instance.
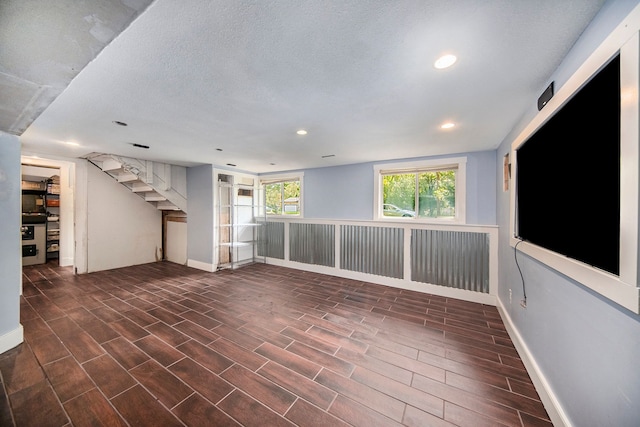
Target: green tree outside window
(283, 198)
(422, 194)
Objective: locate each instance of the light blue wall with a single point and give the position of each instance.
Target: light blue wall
(200, 213)
(586, 347)
(10, 241)
(342, 192)
(481, 188)
(346, 192)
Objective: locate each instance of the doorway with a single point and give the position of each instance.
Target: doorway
(53, 183)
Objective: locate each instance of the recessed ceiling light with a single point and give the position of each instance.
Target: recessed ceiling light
(230, 164)
(301, 132)
(140, 146)
(74, 144)
(328, 155)
(119, 123)
(218, 149)
(447, 125)
(445, 61)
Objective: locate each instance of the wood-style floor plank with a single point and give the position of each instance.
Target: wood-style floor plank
(197, 412)
(163, 344)
(48, 411)
(92, 409)
(140, 408)
(68, 378)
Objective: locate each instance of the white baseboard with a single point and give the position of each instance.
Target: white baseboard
(547, 396)
(65, 261)
(11, 339)
(201, 265)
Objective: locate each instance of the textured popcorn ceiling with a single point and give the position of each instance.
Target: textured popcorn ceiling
(45, 44)
(192, 78)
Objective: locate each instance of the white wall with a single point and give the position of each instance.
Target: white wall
(122, 228)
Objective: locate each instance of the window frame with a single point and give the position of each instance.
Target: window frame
(458, 163)
(275, 179)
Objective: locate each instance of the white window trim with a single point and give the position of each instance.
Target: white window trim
(459, 163)
(272, 179)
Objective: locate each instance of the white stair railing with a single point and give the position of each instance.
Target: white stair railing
(162, 184)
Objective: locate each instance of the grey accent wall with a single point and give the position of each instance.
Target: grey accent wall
(200, 223)
(586, 346)
(10, 243)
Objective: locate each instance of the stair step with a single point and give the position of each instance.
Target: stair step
(126, 177)
(154, 197)
(140, 187)
(167, 206)
(138, 177)
(110, 165)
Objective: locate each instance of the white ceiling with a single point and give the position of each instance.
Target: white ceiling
(191, 78)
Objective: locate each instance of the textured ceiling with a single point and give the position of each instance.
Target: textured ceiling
(45, 44)
(231, 81)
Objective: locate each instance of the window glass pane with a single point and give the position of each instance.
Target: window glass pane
(399, 194)
(273, 195)
(283, 198)
(421, 190)
(291, 202)
(437, 194)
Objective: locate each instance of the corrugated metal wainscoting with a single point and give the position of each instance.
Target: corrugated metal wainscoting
(312, 244)
(271, 240)
(373, 250)
(451, 258)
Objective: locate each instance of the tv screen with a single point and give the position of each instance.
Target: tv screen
(568, 176)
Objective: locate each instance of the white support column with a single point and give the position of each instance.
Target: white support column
(337, 245)
(286, 240)
(406, 271)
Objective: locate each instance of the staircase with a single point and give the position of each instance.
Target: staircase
(161, 184)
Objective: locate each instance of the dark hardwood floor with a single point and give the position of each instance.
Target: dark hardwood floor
(162, 345)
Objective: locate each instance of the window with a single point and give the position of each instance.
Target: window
(283, 196)
(427, 190)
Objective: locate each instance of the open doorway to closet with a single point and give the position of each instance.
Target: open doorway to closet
(47, 226)
(40, 226)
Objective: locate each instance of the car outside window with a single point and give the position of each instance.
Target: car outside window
(428, 191)
(392, 210)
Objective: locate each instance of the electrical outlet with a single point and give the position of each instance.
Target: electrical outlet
(523, 304)
(510, 296)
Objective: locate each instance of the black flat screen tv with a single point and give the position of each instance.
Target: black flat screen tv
(568, 176)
